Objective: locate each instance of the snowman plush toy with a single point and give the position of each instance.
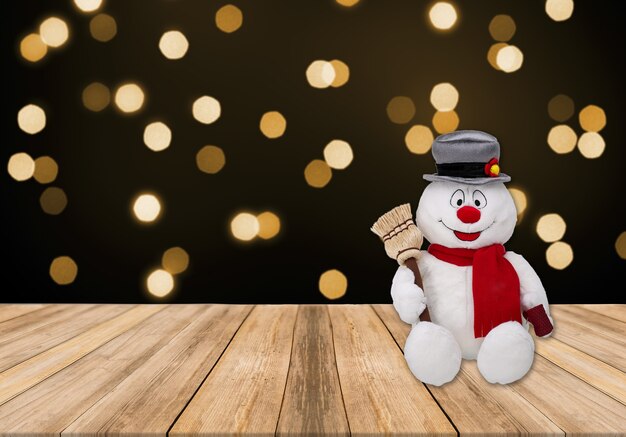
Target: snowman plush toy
(480, 296)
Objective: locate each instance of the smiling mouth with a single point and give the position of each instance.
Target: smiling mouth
(466, 236)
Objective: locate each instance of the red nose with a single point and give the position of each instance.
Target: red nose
(468, 214)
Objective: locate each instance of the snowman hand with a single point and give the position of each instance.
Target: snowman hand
(542, 322)
(408, 299)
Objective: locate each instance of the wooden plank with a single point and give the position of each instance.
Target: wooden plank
(243, 393)
(26, 374)
(149, 400)
(11, 310)
(616, 311)
(381, 394)
(474, 405)
(313, 404)
(44, 337)
(592, 320)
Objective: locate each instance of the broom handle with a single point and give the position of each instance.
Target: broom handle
(411, 263)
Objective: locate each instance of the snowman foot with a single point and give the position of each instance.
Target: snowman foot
(432, 353)
(506, 354)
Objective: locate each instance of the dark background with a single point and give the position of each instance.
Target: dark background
(391, 50)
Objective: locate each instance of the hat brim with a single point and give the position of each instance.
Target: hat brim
(502, 177)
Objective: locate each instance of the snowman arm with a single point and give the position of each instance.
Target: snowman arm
(408, 298)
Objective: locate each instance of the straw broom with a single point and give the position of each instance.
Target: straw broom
(402, 240)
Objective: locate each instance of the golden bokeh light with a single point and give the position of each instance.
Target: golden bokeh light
(229, 18)
(157, 136)
(347, 3)
(444, 97)
(32, 48)
(520, 201)
(493, 53)
(244, 226)
(320, 74)
(442, 15)
(53, 201)
(419, 139)
(206, 109)
(509, 59)
(31, 119)
(561, 108)
(129, 97)
(562, 139)
(592, 118)
(273, 124)
(333, 284)
(502, 27)
(551, 227)
(103, 27)
(21, 166)
(210, 159)
(338, 154)
(342, 73)
(96, 96)
(63, 270)
(160, 283)
(54, 32)
(559, 10)
(620, 245)
(591, 145)
(88, 5)
(173, 44)
(445, 122)
(46, 170)
(317, 173)
(559, 255)
(175, 260)
(147, 207)
(400, 109)
(269, 225)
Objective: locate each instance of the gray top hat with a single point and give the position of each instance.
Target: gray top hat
(467, 156)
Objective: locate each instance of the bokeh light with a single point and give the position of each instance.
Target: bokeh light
(129, 97)
(419, 139)
(269, 225)
(551, 227)
(273, 124)
(559, 10)
(442, 15)
(157, 136)
(317, 173)
(562, 139)
(103, 27)
(509, 59)
(229, 18)
(561, 108)
(520, 200)
(210, 159)
(347, 3)
(559, 255)
(147, 207)
(620, 245)
(333, 284)
(342, 73)
(244, 226)
(46, 170)
(31, 119)
(320, 74)
(206, 109)
(63, 270)
(400, 109)
(32, 48)
(591, 145)
(96, 96)
(175, 260)
(160, 283)
(592, 118)
(444, 97)
(492, 54)
(173, 44)
(88, 5)
(53, 200)
(21, 166)
(54, 31)
(445, 122)
(338, 154)
(502, 27)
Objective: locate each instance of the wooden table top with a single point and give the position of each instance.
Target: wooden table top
(200, 369)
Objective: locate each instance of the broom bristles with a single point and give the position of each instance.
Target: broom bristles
(399, 233)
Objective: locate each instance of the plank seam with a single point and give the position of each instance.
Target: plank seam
(332, 337)
(282, 399)
(586, 308)
(21, 315)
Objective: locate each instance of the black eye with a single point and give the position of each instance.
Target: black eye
(477, 202)
(479, 199)
(457, 199)
(459, 202)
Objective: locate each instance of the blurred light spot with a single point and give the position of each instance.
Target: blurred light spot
(502, 27)
(561, 107)
(54, 32)
(157, 136)
(347, 3)
(493, 53)
(342, 73)
(562, 139)
(32, 48)
(103, 27)
(96, 96)
(620, 245)
(46, 170)
(210, 159)
(88, 5)
(228, 18)
(559, 255)
(206, 109)
(244, 226)
(338, 154)
(173, 44)
(269, 225)
(53, 201)
(445, 122)
(63, 270)
(160, 282)
(333, 284)
(31, 119)
(419, 139)
(21, 166)
(444, 97)
(273, 124)
(559, 10)
(400, 109)
(592, 118)
(442, 15)
(520, 200)
(147, 207)
(509, 59)
(591, 145)
(551, 227)
(317, 173)
(129, 97)
(175, 260)
(320, 74)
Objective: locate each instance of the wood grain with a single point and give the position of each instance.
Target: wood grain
(243, 393)
(312, 403)
(617, 312)
(12, 310)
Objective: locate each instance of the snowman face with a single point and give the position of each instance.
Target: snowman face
(466, 216)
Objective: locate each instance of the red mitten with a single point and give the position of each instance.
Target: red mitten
(538, 317)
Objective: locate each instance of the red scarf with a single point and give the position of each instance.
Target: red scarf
(495, 284)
